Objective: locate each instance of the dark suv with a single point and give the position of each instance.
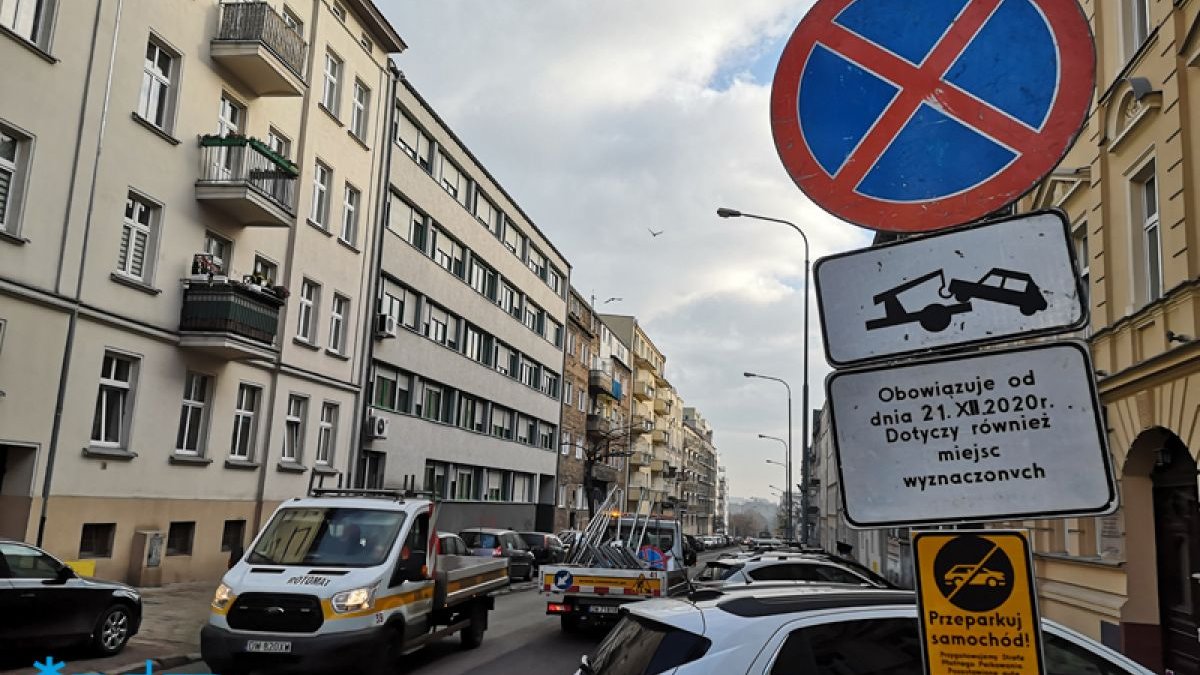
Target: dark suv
(496, 543)
(546, 548)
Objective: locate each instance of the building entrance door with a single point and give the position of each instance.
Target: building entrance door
(1177, 530)
(16, 489)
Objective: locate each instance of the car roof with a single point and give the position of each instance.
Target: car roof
(486, 530)
(447, 534)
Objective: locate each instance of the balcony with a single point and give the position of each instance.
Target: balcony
(662, 406)
(229, 320)
(259, 49)
(643, 391)
(641, 458)
(661, 436)
(247, 181)
(598, 424)
(641, 425)
(602, 382)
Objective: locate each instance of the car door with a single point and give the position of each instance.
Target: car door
(50, 610)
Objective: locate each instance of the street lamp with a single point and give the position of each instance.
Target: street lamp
(787, 444)
(771, 461)
(804, 449)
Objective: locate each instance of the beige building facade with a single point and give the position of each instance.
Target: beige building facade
(187, 199)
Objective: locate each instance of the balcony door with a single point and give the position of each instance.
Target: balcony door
(231, 119)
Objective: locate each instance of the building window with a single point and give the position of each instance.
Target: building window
(462, 485)
(193, 417)
(135, 259)
(278, 143)
(244, 429)
(400, 304)
(448, 253)
(293, 429)
(371, 465)
(1145, 198)
(431, 402)
(266, 270)
(332, 87)
(555, 333)
(483, 279)
(514, 240)
(13, 161)
(485, 212)
(338, 313)
(219, 248)
(546, 435)
(562, 496)
(231, 118)
(549, 384)
(366, 43)
(537, 263)
(110, 424)
(566, 439)
(453, 180)
(233, 535)
(1079, 240)
(533, 317)
(405, 220)
(179, 538)
(508, 299)
(555, 281)
(494, 491)
(362, 110)
(156, 102)
(582, 401)
(502, 423)
(28, 19)
(326, 433)
(310, 297)
(338, 11)
(413, 140)
(1137, 25)
(96, 540)
(292, 21)
(322, 180)
(350, 215)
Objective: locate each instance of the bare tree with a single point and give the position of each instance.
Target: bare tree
(602, 447)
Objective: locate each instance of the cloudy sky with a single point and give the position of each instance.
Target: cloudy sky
(604, 119)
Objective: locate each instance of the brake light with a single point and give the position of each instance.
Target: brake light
(557, 608)
(497, 552)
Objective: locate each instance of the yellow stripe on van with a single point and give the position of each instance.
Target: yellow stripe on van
(475, 580)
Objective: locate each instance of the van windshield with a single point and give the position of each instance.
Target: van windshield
(661, 538)
(329, 537)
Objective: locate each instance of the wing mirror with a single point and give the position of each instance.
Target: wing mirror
(63, 575)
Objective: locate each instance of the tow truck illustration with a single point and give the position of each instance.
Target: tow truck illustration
(1007, 287)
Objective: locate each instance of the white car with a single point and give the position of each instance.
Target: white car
(777, 631)
(776, 567)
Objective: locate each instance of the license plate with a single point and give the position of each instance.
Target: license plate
(603, 609)
(267, 647)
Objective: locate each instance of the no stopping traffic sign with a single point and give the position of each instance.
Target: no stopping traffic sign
(917, 115)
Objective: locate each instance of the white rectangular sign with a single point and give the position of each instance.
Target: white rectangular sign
(982, 283)
(999, 435)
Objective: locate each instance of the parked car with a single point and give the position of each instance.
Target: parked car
(772, 567)
(696, 544)
(546, 548)
(452, 544)
(802, 630)
(45, 605)
(497, 543)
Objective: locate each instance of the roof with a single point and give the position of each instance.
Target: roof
(487, 530)
(803, 598)
(374, 19)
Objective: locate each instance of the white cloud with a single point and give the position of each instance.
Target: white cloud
(604, 119)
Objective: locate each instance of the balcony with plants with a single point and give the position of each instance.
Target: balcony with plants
(247, 181)
(226, 317)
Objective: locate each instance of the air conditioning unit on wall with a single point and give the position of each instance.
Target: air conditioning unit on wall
(377, 426)
(385, 326)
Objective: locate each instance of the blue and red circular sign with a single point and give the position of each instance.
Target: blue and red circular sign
(917, 115)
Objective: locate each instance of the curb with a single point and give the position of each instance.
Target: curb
(160, 663)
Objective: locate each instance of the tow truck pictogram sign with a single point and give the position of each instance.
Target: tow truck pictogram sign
(984, 283)
(919, 115)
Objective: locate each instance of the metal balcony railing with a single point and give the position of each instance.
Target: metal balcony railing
(242, 161)
(257, 21)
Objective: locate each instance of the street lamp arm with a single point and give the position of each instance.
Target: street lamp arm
(733, 213)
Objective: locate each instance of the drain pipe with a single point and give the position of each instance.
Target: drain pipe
(64, 370)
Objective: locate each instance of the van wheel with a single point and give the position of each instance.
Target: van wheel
(387, 660)
(472, 635)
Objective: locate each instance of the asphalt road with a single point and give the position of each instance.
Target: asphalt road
(521, 640)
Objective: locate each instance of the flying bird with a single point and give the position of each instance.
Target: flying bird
(653, 233)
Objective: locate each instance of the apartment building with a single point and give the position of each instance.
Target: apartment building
(699, 473)
(1127, 186)
(668, 446)
(185, 200)
(644, 484)
(721, 518)
(609, 427)
(467, 367)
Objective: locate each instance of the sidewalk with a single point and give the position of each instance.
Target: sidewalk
(169, 635)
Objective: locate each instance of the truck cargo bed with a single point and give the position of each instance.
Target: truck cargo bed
(461, 578)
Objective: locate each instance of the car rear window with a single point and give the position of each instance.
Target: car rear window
(638, 645)
(532, 539)
(479, 540)
(717, 572)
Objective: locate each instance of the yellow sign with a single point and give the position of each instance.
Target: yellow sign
(84, 568)
(977, 602)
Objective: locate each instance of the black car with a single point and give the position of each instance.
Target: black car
(44, 605)
(547, 549)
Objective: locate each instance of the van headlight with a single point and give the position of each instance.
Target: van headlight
(222, 597)
(353, 600)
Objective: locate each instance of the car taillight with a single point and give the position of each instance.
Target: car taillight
(557, 608)
(497, 552)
